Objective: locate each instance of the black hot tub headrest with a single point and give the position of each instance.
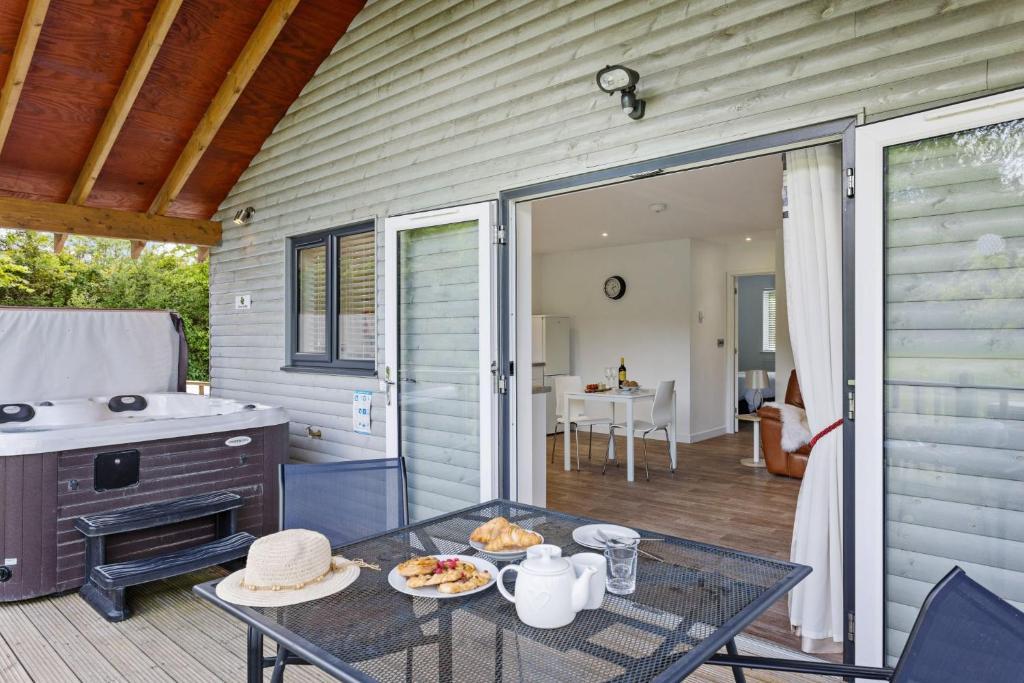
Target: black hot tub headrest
(120, 404)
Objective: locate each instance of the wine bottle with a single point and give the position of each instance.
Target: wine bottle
(622, 371)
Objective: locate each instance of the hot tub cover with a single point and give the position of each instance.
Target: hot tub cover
(62, 353)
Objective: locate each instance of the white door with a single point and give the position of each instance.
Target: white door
(439, 339)
(940, 361)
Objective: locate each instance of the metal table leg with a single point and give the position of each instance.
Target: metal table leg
(737, 672)
(254, 657)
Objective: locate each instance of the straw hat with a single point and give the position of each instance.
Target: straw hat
(286, 568)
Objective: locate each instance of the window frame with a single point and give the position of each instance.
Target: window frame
(766, 295)
(327, 362)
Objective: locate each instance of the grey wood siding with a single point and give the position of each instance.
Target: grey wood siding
(427, 103)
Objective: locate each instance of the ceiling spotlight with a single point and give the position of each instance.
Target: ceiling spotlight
(604, 234)
(243, 216)
(748, 238)
(620, 79)
(658, 207)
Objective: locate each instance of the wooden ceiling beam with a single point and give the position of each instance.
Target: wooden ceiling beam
(149, 45)
(28, 36)
(249, 59)
(26, 214)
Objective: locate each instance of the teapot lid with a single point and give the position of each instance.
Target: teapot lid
(545, 559)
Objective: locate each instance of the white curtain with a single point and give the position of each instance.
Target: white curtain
(812, 236)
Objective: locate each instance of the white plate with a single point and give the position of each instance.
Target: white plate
(397, 581)
(586, 535)
(502, 554)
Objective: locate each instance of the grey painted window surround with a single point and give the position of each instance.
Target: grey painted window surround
(323, 357)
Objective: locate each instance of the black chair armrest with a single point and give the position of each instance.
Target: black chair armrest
(802, 667)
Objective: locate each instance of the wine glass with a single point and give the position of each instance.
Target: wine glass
(609, 376)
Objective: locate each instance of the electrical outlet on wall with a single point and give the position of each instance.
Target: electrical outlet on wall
(243, 302)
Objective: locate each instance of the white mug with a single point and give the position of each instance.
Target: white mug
(595, 596)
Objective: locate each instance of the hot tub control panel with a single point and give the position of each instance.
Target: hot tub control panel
(16, 412)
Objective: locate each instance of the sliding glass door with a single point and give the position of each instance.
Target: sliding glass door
(439, 350)
(940, 361)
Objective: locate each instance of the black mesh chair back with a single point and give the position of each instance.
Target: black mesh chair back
(964, 632)
(345, 501)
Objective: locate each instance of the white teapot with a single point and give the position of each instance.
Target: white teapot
(548, 592)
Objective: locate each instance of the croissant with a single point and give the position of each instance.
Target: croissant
(467, 584)
(417, 566)
(489, 531)
(513, 537)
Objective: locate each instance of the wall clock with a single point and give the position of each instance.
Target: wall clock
(615, 287)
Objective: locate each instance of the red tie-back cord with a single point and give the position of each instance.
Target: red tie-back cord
(820, 435)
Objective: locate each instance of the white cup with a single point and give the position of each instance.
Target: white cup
(595, 595)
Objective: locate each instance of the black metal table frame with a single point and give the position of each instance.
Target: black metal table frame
(295, 649)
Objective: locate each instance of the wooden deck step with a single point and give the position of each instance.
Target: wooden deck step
(134, 572)
(157, 514)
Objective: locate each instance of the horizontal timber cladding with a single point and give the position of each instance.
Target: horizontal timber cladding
(954, 340)
(429, 103)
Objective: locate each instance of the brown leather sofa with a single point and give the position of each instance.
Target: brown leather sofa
(777, 460)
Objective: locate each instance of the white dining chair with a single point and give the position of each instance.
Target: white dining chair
(576, 418)
(661, 419)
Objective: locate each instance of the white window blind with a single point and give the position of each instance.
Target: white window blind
(357, 291)
(768, 321)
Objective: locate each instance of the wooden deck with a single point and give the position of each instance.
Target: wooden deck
(173, 637)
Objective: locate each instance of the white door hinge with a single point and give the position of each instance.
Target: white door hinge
(851, 182)
(500, 235)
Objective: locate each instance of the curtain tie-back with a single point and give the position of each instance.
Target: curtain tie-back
(820, 435)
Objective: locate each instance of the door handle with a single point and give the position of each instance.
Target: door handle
(386, 383)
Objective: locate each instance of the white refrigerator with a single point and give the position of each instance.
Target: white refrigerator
(551, 355)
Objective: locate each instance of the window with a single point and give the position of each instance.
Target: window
(768, 321)
(332, 301)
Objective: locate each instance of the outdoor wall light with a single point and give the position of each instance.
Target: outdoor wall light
(243, 216)
(613, 79)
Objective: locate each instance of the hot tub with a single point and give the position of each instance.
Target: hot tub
(54, 467)
(93, 418)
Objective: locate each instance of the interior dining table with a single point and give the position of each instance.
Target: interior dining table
(628, 399)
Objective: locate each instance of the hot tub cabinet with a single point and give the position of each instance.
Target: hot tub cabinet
(198, 445)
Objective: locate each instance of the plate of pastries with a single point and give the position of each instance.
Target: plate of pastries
(442, 576)
(501, 538)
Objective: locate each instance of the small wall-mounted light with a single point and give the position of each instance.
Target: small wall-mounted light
(620, 79)
(244, 216)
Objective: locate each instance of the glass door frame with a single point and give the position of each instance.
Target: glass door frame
(869, 536)
(483, 213)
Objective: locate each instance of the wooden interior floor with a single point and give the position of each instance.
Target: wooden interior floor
(172, 637)
(712, 498)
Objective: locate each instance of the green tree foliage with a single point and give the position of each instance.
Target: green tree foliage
(100, 273)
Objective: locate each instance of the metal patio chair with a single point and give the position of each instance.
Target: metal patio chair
(964, 632)
(345, 501)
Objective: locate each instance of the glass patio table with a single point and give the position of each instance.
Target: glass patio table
(685, 608)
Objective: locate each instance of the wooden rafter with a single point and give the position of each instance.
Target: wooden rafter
(156, 30)
(238, 76)
(25, 214)
(31, 25)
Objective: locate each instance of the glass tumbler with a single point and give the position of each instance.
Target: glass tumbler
(620, 554)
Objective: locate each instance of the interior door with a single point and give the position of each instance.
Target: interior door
(940, 361)
(439, 348)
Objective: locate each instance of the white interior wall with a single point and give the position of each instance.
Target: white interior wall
(649, 325)
(708, 360)
(655, 326)
(784, 363)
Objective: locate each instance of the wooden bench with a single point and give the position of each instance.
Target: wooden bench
(105, 584)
